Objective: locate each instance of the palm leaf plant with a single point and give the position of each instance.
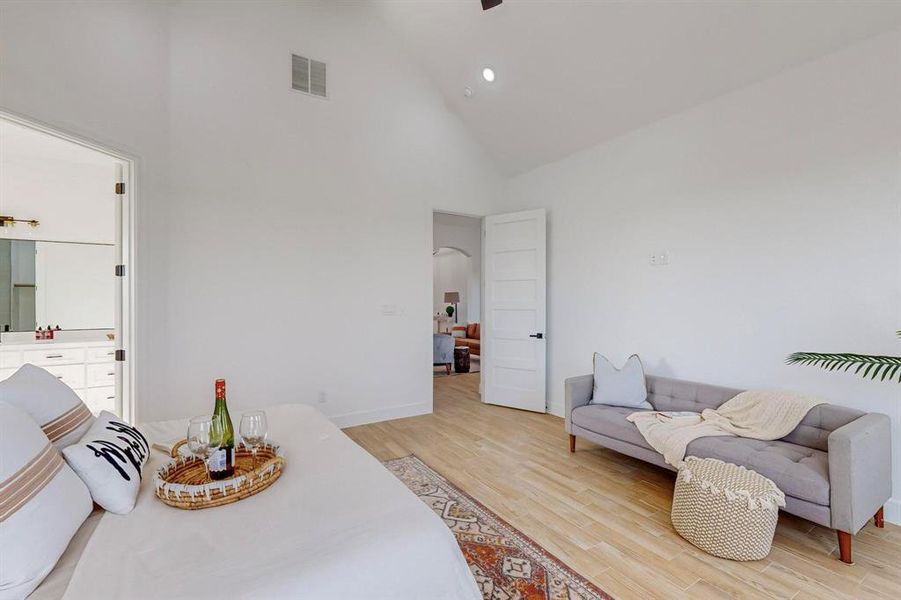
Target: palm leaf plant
(875, 367)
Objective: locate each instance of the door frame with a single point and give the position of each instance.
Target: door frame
(126, 329)
(480, 218)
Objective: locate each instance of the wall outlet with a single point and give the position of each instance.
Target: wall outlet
(659, 259)
(389, 310)
(323, 397)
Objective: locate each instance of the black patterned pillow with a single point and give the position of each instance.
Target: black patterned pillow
(109, 459)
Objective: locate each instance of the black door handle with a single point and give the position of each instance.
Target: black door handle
(539, 336)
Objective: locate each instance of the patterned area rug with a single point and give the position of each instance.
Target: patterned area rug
(506, 564)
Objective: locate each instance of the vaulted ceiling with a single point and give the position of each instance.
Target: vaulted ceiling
(571, 74)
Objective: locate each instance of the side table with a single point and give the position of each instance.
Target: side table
(461, 359)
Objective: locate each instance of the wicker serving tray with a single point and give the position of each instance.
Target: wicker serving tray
(183, 483)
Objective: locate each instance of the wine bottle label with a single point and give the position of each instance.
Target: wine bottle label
(219, 459)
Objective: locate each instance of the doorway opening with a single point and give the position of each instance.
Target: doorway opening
(457, 296)
(66, 256)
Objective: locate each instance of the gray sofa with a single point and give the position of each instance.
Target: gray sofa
(835, 467)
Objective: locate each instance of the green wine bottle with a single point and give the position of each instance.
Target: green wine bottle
(222, 437)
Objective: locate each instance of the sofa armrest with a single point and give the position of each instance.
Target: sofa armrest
(860, 470)
(578, 393)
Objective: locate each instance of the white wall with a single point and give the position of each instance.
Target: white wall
(780, 208)
(464, 234)
(68, 188)
(100, 70)
(318, 213)
(262, 200)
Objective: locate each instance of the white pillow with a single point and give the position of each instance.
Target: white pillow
(620, 387)
(42, 503)
(52, 404)
(109, 459)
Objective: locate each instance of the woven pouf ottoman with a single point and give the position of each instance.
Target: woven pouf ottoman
(726, 510)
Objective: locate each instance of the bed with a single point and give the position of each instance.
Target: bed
(336, 525)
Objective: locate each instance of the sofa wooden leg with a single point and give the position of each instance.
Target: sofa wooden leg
(844, 547)
(448, 367)
(572, 443)
(879, 517)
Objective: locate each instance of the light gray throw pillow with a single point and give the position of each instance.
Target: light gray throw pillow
(620, 387)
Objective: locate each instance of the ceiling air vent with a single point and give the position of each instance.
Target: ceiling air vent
(308, 76)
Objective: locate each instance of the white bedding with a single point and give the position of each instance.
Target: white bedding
(337, 524)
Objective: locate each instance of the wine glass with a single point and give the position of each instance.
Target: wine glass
(199, 439)
(254, 430)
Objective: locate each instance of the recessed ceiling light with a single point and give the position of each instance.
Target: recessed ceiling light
(488, 74)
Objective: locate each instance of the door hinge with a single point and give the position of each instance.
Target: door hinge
(120, 188)
(120, 355)
(120, 270)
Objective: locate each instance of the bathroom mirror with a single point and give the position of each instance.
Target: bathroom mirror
(56, 283)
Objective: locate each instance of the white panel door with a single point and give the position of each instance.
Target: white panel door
(513, 332)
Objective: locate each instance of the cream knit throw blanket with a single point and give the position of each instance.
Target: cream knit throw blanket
(757, 414)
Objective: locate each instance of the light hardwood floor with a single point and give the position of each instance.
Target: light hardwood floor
(607, 515)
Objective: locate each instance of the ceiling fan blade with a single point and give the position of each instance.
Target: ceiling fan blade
(486, 4)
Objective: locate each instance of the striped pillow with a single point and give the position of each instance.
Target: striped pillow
(50, 402)
(42, 503)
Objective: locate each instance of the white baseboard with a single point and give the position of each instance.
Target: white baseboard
(365, 417)
(893, 511)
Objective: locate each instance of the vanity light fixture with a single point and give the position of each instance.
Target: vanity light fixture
(10, 221)
(488, 74)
